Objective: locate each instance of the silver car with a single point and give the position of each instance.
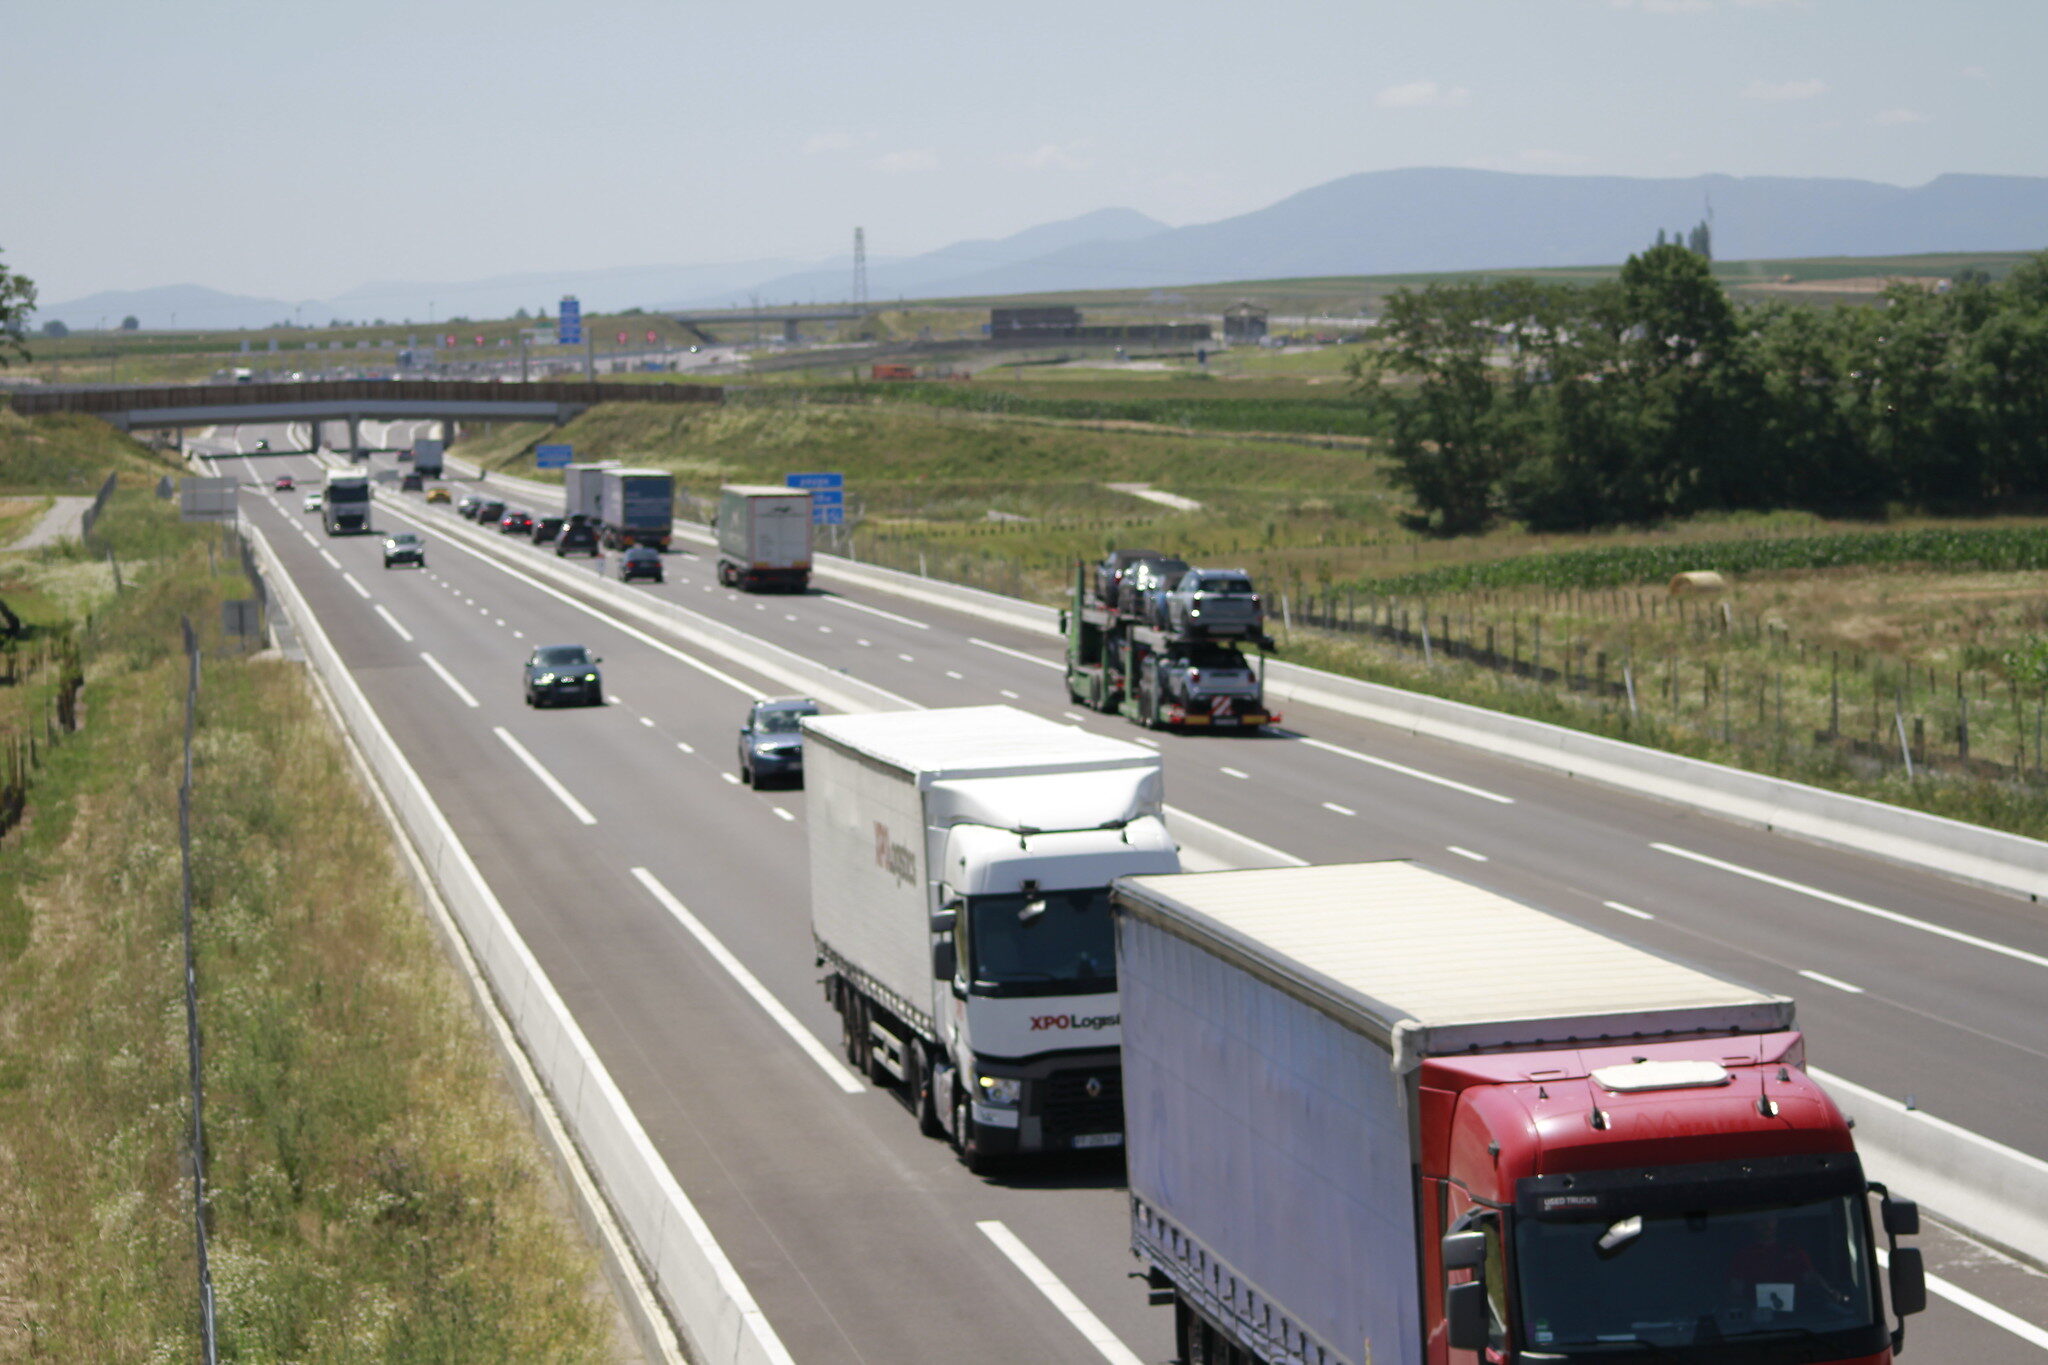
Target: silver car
(1215, 602)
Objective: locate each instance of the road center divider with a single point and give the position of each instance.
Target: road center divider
(715, 1312)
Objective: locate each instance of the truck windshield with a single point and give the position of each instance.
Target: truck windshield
(348, 492)
(1048, 943)
(1660, 1285)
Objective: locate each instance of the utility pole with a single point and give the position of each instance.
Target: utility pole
(860, 270)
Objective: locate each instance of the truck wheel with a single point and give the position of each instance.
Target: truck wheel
(917, 1082)
(971, 1155)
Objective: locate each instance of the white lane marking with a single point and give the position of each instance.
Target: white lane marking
(1861, 907)
(751, 984)
(730, 778)
(877, 611)
(519, 635)
(326, 556)
(906, 658)
(647, 720)
(1468, 853)
(1628, 910)
(953, 675)
(447, 677)
(361, 591)
(1234, 772)
(789, 616)
(1407, 771)
(1148, 743)
(824, 630)
(576, 808)
(752, 693)
(1064, 1299)
(783, 813)
(611, 700)
(1341, 810)
(1827, 980)
(392, 621)
(1019, 654)
(865, 644)
(1074, 716)
(1008, 693)
(684, 747)
(1983, 1308)
(501, 620)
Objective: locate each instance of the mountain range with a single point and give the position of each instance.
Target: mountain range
(1414, 221)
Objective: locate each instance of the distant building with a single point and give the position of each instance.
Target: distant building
(1244, 321)
(1014, 326)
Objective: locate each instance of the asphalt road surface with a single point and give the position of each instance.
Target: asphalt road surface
(619, 839)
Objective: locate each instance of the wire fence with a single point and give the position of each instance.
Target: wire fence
(1734, 677)
(53, 661)
(194, 1048)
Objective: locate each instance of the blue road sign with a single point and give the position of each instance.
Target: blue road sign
(553, 457)
(828, 497)
(823, 515)
(814, 480)
(569, 322)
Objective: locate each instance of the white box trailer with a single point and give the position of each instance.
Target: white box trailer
(582, 486)
(764, 537)
(1346, 1085)
(960, 870)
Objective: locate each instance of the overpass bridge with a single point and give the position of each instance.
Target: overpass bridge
(791, 319)
(178, 406)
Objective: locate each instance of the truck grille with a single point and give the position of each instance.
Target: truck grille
(1069, 1110)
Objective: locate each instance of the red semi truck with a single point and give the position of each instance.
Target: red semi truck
(1376, 1115)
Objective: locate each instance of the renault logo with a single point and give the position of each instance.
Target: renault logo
(1094, 1087)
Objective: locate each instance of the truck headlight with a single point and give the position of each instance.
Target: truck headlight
(1004, 1091)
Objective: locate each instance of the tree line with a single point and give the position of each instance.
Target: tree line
(1654, 395)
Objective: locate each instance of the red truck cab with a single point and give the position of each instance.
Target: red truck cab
(1673, 1201)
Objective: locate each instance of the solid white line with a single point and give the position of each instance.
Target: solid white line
(1861, 907)
(1019, 654)
(877, 611)
(1234, 772)
(447, 677)
(576, 808)
(1468, 853)
(1983, 1308)
(1628, 910)
(361, 591)
(392, 621)
(1407, 771)
(1827, 980)
(1341, 810)
(751, 984)
(783, 813)
(1064, 1299)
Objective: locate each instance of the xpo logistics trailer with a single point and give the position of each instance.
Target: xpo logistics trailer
(1379, 1116)
(635, 507)
(764, 537)
(960, 870)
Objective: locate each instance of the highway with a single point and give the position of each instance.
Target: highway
(623, 846)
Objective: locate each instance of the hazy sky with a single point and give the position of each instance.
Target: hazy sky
(297, 149)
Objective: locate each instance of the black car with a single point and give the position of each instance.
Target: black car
(405, 547)
(546, 529)
(412, 482)
(516, 522)
(640, 561)
(1142, 588)
(489, 512)
(467, 507)
(556, 674)
(1109, 573)
(577, 537)
(772, 740)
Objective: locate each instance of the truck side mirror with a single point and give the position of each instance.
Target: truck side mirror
(944, 920)
(1909, 1282)
(1464, 1250)
(1901, 1216)
(945, 961)
(1465, 1317)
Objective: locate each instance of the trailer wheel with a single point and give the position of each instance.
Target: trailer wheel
(853, 1032)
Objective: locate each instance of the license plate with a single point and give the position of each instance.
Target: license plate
(1099, 1140)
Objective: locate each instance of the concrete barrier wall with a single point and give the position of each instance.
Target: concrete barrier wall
(716, 1313)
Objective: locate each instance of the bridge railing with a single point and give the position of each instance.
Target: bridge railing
(36, 402)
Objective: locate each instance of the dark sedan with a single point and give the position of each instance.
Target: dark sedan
(405, 547)
(560, 674)
(546, 529)
(772, 740)
(640, 561)
(578, 537)
(516, 523)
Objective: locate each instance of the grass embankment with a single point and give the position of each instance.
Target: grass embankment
(375, 1192)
